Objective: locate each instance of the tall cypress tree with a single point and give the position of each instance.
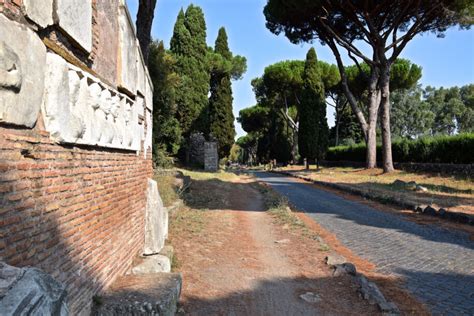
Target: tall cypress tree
(188, 45)
(166, 130)
(221, 118)
(313, 130)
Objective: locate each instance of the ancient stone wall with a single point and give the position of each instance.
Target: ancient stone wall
(75, 141)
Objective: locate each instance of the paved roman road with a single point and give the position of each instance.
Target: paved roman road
(438, 264)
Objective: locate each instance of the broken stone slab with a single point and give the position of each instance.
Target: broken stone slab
(335, 259)
(40, 12)
(75, 18)
(152, 264)
(151, 294)
(30, 291)
(156, 220)
(22, 66)
(373, 295)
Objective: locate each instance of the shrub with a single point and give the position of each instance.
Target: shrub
(458, 149)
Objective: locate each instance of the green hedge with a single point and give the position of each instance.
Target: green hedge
(439, 149)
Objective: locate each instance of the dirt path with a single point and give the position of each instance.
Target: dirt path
(239, 261)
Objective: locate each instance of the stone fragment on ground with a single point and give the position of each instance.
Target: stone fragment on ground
(420, 188)
(310, 297)
(345, 268)
(151, 294)
(282, 241)
(335, 259)
(30, 291)
(371, 293)
(152, 264)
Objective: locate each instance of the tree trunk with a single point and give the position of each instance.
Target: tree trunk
(371, 134)
(385, 122)
(145, 15)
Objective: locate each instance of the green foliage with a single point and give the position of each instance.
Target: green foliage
(254, 119)
(453, 109)
(166, 129)
(188, 46)
(313, 130)
(221, 117)
(411, 117)
(220, 114)
(349, 128)
(438, 149)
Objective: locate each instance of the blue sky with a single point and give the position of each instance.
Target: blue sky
(446, 61)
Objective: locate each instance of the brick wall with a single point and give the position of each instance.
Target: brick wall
(77, 213)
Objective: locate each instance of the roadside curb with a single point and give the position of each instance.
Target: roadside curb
(459, 217)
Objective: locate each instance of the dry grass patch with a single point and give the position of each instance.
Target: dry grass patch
(452, 193)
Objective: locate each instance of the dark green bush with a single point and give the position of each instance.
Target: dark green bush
(457, 149)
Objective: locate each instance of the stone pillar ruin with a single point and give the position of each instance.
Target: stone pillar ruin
(211, 158)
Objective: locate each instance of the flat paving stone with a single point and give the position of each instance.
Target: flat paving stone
(437, 264)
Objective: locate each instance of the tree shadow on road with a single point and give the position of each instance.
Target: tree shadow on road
(315, 202)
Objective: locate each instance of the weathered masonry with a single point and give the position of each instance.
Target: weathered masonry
(75, 141)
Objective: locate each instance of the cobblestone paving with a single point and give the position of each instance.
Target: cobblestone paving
(438, 264)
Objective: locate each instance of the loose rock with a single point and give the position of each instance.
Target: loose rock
(310, 297)
(30, 291)
(335, 259)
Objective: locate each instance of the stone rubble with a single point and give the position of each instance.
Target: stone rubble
(30, 291)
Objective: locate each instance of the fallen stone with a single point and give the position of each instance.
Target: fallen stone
(30, 291)
(152, 264)
(372, 294)
(310, 297)
(282, 241)
(334, 259)
(442, 212)
(345, 268)
(429, 210)
(151, 294)
(420, 188)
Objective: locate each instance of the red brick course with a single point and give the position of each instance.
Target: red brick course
(75, 212)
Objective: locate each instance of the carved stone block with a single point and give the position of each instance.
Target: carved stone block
(75, 18)
(80, 109)
(40, 12)
(22, 63)
(127, 52)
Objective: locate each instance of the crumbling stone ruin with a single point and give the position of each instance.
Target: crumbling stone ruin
(77, 199)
